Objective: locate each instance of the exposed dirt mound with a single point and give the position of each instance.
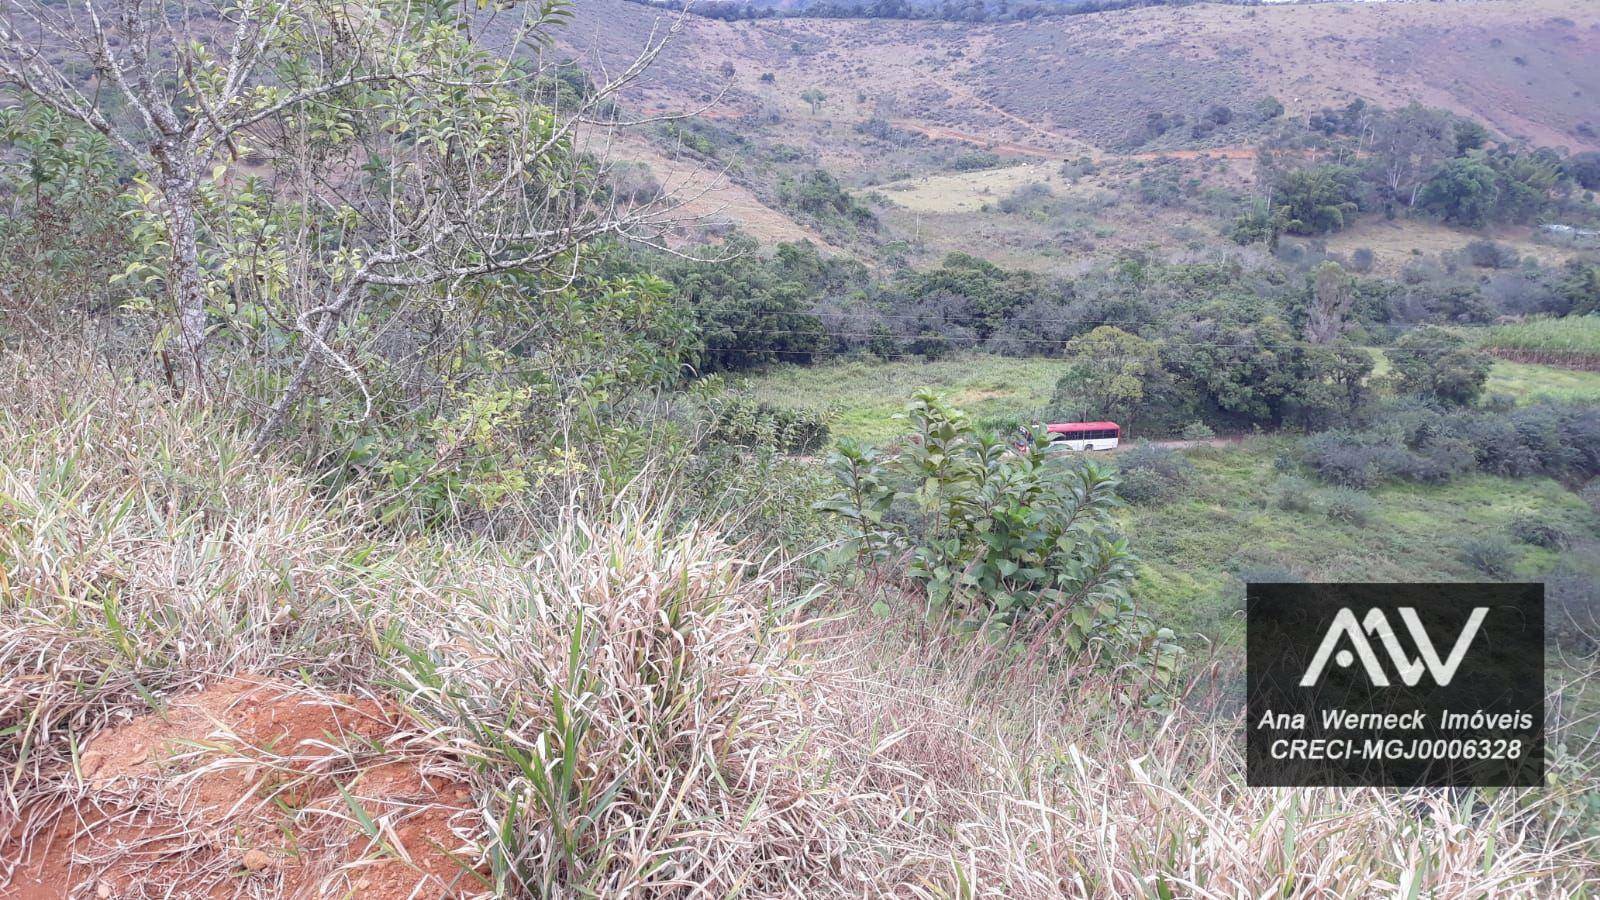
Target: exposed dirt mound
(251, 789)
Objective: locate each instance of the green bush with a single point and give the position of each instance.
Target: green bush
(1346, 505)
(1493, 556)
(1151, 475)
(1540, 532)
(748, 423)
(1197, 431)
(973, 160)
(1435, 363)
(1294, 494)
(1316, 199)
(1415, 442)
(1006, 540)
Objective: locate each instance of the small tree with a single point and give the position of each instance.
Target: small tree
(1315, 200)
(1332, 295)
(815, 98)
(413, 166)
(1105, 373)
(1010, 540)
(1435, 363)
(1462, 191)
(1407, 143)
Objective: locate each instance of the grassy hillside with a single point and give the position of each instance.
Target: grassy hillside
(1230, 524)
(1522, 68)
(862, 398)
(178, 613)
(901, 100)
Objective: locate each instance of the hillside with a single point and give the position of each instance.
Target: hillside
(896, 102)
(462, 450)
(1524, 69)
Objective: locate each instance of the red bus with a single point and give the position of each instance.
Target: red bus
(1084, 435)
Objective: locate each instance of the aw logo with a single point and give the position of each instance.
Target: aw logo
(1394, 685)
(1347, 629)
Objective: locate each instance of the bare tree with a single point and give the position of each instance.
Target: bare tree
(172, 85)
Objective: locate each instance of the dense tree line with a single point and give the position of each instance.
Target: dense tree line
(1158, 346)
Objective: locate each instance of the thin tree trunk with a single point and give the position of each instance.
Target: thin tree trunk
(186, 282)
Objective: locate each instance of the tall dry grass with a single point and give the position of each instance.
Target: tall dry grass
(644, 709)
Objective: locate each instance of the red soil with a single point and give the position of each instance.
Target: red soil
(235, 791)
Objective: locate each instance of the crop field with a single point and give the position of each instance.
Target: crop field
(1574, 339)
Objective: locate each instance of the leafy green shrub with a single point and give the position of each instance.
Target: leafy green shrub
(63, 222)
(1365, 459)
(1414, 442)
(1151, 475)
(1255, 226)
(1010, 541)
(1316, 199)
(819, 195)
(1197, 431)
(742, 421)
(1435, 363)
(1540, 532)
(973, 160)
(1493, 556)
(1346, 505)
(1294, 494)
(1491, 255)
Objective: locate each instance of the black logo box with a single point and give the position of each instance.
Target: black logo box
(1406, 742)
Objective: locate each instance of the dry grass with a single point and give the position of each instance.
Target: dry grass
(646, 710)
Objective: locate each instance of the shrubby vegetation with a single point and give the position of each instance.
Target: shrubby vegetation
(1150, 475)
(1415, 442)
(1413, 160)
(62, 212)
(818, 196)
(1433, 363)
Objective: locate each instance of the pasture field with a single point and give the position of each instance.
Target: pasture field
(1529, 383)
(863, 396)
